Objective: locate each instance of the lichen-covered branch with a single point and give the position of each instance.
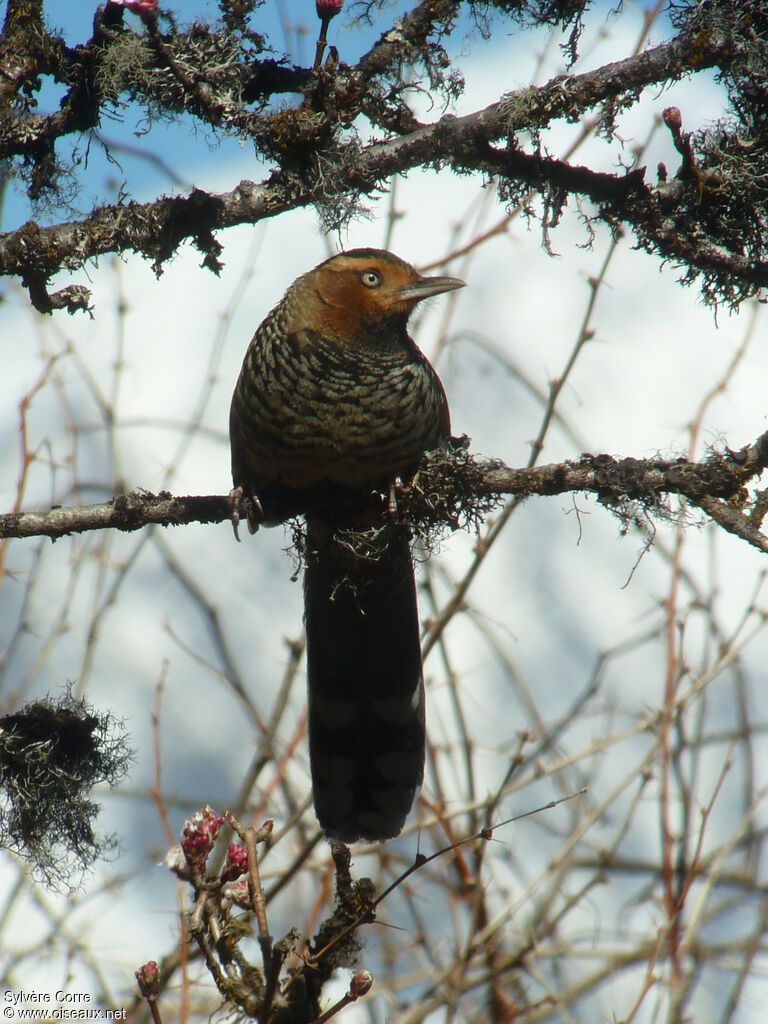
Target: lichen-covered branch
(453, 489)
(156, 229)
(709, 217)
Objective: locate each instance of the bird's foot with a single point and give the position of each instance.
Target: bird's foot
(255, 512)
(460, 443)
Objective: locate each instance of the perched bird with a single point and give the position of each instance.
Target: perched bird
(334, 402)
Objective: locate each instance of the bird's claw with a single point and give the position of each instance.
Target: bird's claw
(235, 498)
(255, 514)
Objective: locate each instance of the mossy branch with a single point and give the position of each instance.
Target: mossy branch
(709, 218)
(454, 490)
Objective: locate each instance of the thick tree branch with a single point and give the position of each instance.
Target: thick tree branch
(453, 489)
(156, 229)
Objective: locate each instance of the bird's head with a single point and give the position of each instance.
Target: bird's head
(356, 294)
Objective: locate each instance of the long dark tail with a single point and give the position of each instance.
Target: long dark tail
(366, 691)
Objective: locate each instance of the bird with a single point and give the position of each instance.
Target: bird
(335, 404)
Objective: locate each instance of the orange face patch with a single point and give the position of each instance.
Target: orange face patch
(363, 290)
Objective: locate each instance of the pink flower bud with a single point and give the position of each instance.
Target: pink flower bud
(360, 984)
(148, 977)
(199, 836)
(237, 862)
(327, 9)
(137, 6)
(239, 893)
(673, 119)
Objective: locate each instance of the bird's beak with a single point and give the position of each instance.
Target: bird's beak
(426, 286)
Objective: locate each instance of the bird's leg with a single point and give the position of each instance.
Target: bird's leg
(394, 487)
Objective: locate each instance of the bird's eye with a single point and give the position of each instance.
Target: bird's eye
(371, 278)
